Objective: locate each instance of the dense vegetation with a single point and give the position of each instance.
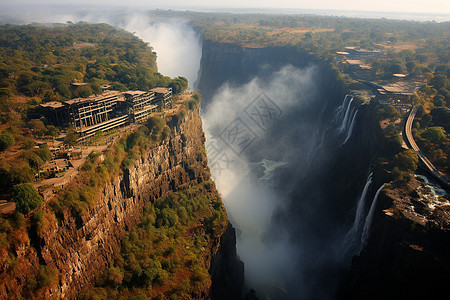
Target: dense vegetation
(432, 128)
(81, 192)
(165, 256)
(41, 63)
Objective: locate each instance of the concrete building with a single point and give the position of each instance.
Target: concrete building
(140, 104)
(107, 111)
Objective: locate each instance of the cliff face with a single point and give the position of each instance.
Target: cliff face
(80, 247)
(235, 64)
(322, 174)
(406, 255)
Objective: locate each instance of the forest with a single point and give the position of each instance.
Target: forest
(42, 63)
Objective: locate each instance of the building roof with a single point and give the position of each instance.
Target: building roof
(342, 53)
(354, 62)
(93, 97)
(398, 88)
(52, 104)
(134, 93)
(160, 90)
(366, 67)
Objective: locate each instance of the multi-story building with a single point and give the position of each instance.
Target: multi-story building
(107, 111)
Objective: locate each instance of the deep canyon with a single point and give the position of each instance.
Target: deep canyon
(292, 155)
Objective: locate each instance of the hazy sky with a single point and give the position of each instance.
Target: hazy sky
(418, 6)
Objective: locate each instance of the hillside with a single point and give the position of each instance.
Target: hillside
(74, 230)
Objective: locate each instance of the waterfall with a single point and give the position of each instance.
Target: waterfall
(350, 131)
(341, 110)
(347, 115)
(351, 241)
(368, 223)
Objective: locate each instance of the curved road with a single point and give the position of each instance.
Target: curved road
(410, 139)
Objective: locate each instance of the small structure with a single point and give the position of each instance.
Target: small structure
(360, 69)
(163, 96)
(399, 75)
(55, 167)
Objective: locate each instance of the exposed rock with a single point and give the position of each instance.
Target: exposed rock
(406, 256)
(79, 247)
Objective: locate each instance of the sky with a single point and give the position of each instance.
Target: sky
(411, 6)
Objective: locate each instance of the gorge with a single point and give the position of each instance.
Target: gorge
(294, 190)
(295, 157)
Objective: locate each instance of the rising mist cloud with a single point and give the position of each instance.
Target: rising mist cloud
(251, 201)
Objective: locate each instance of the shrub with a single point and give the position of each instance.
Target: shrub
(6, 140)
(46, 276)
(26, 197)
(407, 160)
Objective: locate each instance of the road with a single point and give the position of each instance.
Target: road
(412, 143)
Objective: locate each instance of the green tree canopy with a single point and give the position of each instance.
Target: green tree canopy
(71, 138)
(6, 140)
(407, 160)
(435, 135)
(178, 85)
(26, 197)
(38, 126)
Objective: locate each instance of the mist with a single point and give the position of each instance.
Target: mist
(245, 166)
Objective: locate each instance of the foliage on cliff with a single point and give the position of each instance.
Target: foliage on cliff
(168, 253)
(100, 168)
(40, 63)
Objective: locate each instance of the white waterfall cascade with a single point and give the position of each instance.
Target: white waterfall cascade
(352, 240)
(340, 111)
(346, 117)
(350, 130)
(369, 218)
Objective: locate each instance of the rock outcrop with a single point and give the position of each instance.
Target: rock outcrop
(80, 246)
(406, 255)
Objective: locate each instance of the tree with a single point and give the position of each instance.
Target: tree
(178, 85)
(439, 81)
(6, 140)
(391, 112)
(38, 126)
(71, 138)
(407, 160)
(435, 135)
(26, 197)
(441, 117)
(52, 131)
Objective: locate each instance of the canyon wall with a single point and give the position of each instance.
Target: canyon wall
(80, 246)
(323, 160)
(406, 253)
